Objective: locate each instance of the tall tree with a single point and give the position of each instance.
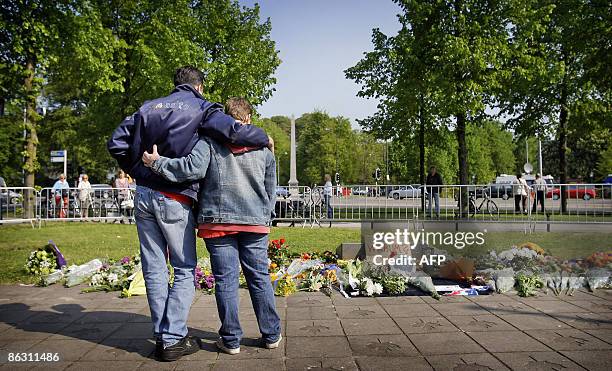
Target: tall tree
(553, 77)
(28, 39)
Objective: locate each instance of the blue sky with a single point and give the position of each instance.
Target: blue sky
(317, 41)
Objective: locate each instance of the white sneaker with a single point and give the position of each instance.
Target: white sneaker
(275, 344)
(224, 349)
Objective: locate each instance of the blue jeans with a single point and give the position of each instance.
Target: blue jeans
(330, 210)
(436, 199)
(250, 250)
(166, 229)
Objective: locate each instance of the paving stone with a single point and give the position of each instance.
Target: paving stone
(507, 307)
(205, 301)
(203, 314)
(602, 334)
(30, 366)
(119, 315)
(487, 322)
(35, 331)
(121, 350)
(251, 329)
(109, 365)
(248, 364)
(539, 297)
(585, 320)
(382, 345)
(115, 302)
(340, 301)
(208, 350)
(445, 343)
(445, 299)
(595, 306)
(536, 321)
(536, 361)
(557, 306)
(425, 325)
(409, 310)
(253, 349)
(459, 309)
(396, 300)
(314, 328)
(374, 326)
(465, 362)
(605, 294)
(298, 314)
(133, 331)
(507, 341)
(68, 350)
(392, 363)
(568, 339)
(591, 360)
(67, 317)
(309, 301)
(326, 346)
(182, 365)
(15, 313)
(306, 364)
(362, 311)
(579, 295)
(89, 331)
(14, 346)
(205, 329)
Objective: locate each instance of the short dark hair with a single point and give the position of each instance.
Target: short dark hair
(238, 108)
(188, 75)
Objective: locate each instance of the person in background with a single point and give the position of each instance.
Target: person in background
(3, 185)
(123, 184)
(327, 195)
(433, 181)
(521, 191)
(540, 187)
(84, 195)
(60, 192)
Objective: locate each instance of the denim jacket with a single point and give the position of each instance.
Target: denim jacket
(235, 188)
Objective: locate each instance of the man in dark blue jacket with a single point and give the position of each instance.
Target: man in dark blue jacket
(165, 222)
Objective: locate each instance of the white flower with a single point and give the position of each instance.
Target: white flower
(112, 278)
(378, 288)
(45, 264)
(97, 279)
(369, 286)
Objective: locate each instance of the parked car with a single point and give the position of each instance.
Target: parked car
(359, 191)
(576, 191)
(9, 197)
(282, 192)
(503, 191)
(406, 192)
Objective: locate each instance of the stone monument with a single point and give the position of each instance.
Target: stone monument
(293, 182)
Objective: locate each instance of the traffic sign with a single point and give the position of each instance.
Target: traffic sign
(59, 153)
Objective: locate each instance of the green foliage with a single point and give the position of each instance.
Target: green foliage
(527, 285)
(98, 61)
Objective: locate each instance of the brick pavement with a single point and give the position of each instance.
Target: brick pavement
(497, 332)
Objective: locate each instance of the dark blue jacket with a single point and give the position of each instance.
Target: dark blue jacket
(173, 123)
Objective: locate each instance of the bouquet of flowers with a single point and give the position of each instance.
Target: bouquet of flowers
(41, 263)
(278, 252)
(114, 276)
(204, 281)
(284, 285)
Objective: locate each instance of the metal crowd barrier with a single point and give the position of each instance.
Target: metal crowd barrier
(303, 205)
(92, 204)
(15, 208)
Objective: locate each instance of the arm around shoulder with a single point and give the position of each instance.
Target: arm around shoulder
(189, 168)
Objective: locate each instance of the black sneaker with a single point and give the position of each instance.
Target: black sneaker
(187, 345)
(159, 346)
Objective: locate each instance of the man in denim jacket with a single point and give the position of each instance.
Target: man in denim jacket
(236, 206)
(162, 209)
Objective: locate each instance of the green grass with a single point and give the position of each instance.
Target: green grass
(81, 242)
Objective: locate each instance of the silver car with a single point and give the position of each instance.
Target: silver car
(406, 192)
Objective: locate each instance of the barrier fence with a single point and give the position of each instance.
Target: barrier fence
(507, 203)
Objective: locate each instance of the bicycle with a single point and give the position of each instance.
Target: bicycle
(487, 201)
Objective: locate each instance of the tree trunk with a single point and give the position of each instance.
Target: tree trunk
(31, 141)
(422, 151)
(462, 157)
(563, 117)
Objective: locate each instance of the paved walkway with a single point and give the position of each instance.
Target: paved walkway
(101, 331)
